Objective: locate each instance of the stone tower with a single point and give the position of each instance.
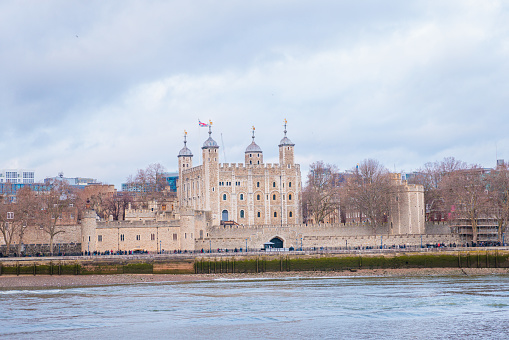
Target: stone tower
(286, 150)
(185, 160)
(211, 176)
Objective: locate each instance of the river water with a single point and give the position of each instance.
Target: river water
(291, 308)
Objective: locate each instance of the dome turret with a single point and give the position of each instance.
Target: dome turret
(286, 141)
(210, 143)
(185, 152)
(253, 147)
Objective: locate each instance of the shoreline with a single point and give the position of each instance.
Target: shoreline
(9, 282)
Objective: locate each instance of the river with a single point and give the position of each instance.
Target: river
(288, 308)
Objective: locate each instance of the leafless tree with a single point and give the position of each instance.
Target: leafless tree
(430, 177)
(117, 205)
(26, 212)
(320, 197)
(368, 192)
(498, 186)
(7, 226)
(149, 184)
(58, 200)
(465, 192)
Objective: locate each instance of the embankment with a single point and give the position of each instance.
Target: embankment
(254, 263)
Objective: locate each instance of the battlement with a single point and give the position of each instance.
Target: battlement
(137, 224)
(192, 170)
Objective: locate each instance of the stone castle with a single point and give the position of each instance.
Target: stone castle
(248, 205)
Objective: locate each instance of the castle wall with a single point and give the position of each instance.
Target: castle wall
(332, 236)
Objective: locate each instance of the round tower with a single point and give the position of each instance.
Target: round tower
(254, 154)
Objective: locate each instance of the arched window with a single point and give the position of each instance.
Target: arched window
(290, 214)
(241, 197)
(257, 197)
(274, 197)
(289, 197)
(258, 214)
(257, 184)
(242, 214)
(224, 197)
(274, 184)
(275, 213)
(250, 162)
(289, 184)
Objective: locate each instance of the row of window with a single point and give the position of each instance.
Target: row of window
(258, 214)
(138, 237)
(258, 197)
(257, 184)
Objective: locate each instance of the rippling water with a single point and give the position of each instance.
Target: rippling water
(360, 308)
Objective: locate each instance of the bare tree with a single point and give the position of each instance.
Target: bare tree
(498, 186)
(149, 184)
(320, 197)
(7, 226)
(26, 211)
(117, 205)
(430, 177)
(57, 201)
(465, 192)
(368, 192)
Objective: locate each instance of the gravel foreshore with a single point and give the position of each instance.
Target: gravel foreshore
(47, 281)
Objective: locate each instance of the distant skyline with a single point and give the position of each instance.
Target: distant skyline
(100, 89)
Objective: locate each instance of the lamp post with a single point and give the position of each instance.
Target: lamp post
(210, 246)
(160, 247)
(381, 242)
(246, 245)
(301, 244)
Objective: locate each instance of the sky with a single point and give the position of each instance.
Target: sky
(101, 89)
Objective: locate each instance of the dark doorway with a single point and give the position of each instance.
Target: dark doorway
(224, 215)
(278, 243)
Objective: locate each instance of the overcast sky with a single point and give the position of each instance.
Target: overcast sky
(102, 88)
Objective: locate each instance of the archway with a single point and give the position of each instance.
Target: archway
(224, 215)
(278, 243)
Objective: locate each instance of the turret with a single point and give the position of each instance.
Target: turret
(254, 154)
(211, 172)
(286, 150)
(185, 162)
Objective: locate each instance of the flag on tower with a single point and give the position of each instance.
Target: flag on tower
(202, 124)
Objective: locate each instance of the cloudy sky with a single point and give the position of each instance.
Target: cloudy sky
(103, 88)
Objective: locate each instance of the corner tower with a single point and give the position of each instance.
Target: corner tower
(286, 150)
(211, 175)
(185, 162)
(254, 154)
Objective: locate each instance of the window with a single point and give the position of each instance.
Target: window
(273, 184)
(257, 197)
(122, 237)
(10, 215)
(290, 214)
(241, 197)
(138, 237)
(275, 213)
(99, 238)
(152, 237)
(174, 237)
(274, 197)
(289, 184)
(289, 197)
(258, 214)
(224, 197)
(242, 214)
(257, 184)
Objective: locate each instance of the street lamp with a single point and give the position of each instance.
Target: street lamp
(246, 245)
(160, 247)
